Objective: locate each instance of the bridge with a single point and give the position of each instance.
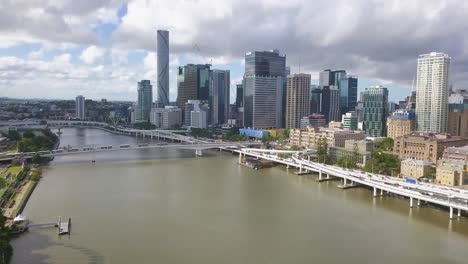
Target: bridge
(173, 135)
(451, 198)
(75, 150)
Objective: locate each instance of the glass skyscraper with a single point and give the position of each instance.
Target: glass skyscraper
(264, 89)
(219, 96)
(348, 93)
(145, 100)
(193, 83)
(375, 111)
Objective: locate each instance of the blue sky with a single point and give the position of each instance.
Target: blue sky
(100, 49)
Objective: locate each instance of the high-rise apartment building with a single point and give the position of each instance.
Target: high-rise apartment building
(219, 96)
(297, 101)
(163, 67)
(264, 89)
(193, 83)
(80, 110)
(375, 111)
(432, 92)
(145, 100)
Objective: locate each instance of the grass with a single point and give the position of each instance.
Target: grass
(31, 185)
(13, 170)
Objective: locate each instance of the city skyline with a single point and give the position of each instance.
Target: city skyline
(107, 59)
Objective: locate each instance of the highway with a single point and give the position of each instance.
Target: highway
(452, 198)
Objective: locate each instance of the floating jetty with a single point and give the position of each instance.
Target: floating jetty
(64, 227)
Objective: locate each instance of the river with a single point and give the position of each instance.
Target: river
(168, 206)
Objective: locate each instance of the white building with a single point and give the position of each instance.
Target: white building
(165, 118)
(80, 107)
(198, 119)
(432, 92)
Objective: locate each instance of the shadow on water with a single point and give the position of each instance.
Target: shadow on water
(30, 245)
(363, 196)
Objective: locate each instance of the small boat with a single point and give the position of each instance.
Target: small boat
(64, 227)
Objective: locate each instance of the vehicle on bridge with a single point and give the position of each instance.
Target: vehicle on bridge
(106, 147)
(124, 146)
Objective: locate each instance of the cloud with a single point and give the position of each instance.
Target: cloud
(373, 39)
(93, 54)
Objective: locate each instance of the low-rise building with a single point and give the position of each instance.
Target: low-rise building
(314, 120)
(425, 146)
(349, 121)
(335, 124)
(165, 118)
(456, 153)
(401, 123)
(362, 147)
(335, 137)
(452, 172)
(253, 133)
(415, 169)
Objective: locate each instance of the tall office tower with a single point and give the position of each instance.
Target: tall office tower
(239, 95)
(331, 103)
(80, 107)
(219, 96)
(163, 67)
(324, 78)
(432, 92)
(329, 77)
(193, 83)
(375, 110)
(297, 101)
(262, 102)
(315, 99)
(348, 93)
(145, 100)
(264, 87)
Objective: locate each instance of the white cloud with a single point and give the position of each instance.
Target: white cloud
(93, 54)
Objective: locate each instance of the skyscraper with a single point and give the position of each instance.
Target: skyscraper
(262, 102)
(375, 110)
(163, 67)
(193, 83)
(219, 96)
(264, 89)
(297, 99)
(331, 103)
(315, 100)
(348, 93)
(239, 95)
(80, 107)
(432, 92)
(458, 114)
(145, 100)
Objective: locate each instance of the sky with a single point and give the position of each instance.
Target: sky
(58, 49)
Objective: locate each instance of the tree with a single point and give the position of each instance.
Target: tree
(13, 135)
(322, 150)
(36, 158)
(28, 134)
(295, 148)
(2, 183)
(386, 144)
(355, 156)
(266, 141)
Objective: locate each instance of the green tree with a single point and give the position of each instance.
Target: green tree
(287, 133)
(36, 158)
(266, 139)
(322, 150)
(386, 144)
(295, 148)
(28, 134)
(2, 183)
(13, 135)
